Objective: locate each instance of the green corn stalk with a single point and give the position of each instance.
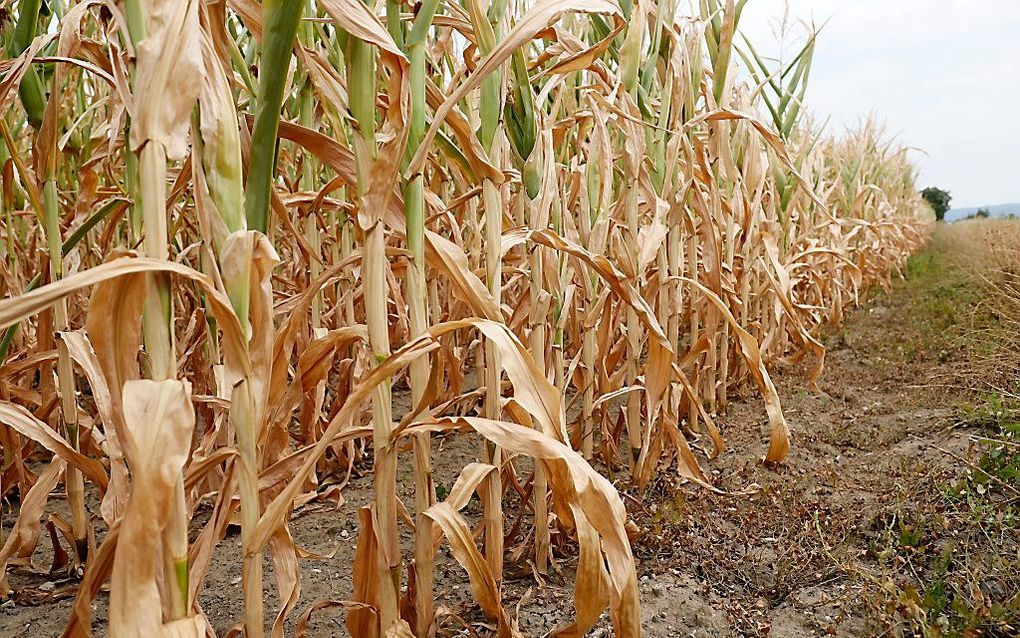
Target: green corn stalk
(414, 201)
(147, 183)
(361, 86)
(489, 111)
(306, 116)
(281, 19)
(65, 371)
(157, 319)
(522, 131)
(595, 189)
(10, 257)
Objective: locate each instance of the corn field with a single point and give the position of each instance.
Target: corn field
(234, 232)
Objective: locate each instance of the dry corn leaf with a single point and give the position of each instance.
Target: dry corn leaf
(159, 421)
(576, 486)
(22, 539)
(22, 421)
(169, 60)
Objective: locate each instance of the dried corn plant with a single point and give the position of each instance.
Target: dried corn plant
(232, 231)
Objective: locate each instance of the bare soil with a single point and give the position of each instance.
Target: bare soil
(817, 549)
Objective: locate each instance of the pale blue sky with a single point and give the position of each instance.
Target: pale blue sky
(944, 75)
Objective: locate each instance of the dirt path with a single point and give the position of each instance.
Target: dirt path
(853, 534)
(858, 533)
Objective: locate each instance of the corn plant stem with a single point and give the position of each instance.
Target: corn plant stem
(281, 19)
(588, 343)
(65, 374)
(246, 429)
(74, 481)
(521, 127)
(630, 66)
(175, 554)
(485, 120)
(146, 181)
(157, 320)
(10, 257)
(226, 190)
(662, 304)
(692, 269)
(346, 249)
(242, 416)
(633, 325)
(492, 203)
(361, 88)
(475, 259)
(487, 29)
(724, 356)
(589, 347)
(159, 346)
(537, 340)
(559, 309)
(132, 187)
(307, 116)
(414, 198)
(675, 260)
(382, 420)
(588, 219)
(5, 586)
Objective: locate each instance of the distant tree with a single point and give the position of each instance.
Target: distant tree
(982, 213)
(938, 199)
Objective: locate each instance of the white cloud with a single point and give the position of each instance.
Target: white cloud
(943, 74)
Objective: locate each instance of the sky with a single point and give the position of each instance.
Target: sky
(944, 76)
